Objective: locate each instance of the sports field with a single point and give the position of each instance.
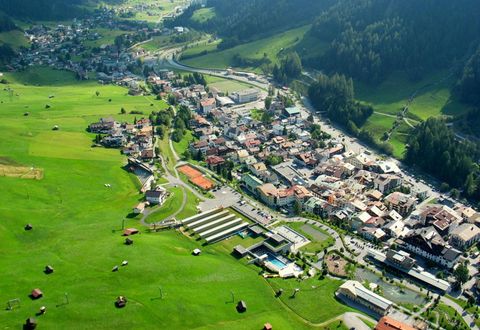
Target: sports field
(77, 228)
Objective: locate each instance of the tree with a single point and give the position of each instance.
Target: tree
(297, 207)
(123, 111)
(268, 102)
(461, 273)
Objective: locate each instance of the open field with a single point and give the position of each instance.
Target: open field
(307, 302)
(77, 229)
(14, 38)
(272, 47)
(434, 97)
(107, 37)
(203, 14)
(226, 85)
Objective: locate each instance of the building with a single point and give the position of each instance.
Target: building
(387, 323)
(428, 243)
(401, 260)
(207, 105)
(245, 96)
(156, 196)
(402, 203)
(251, 182)
(387, 182)
(356, 292)
(465, 236)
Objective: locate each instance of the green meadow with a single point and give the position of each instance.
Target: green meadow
(14, 38)
(203, 14)
(77, 224)
(272, 47)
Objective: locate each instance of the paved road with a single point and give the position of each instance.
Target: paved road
(166, 59)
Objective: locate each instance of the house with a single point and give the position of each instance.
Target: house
(402, 203)
(356, 292)
(139, 208)
(314, 205)
(147, 154)
(387, 182)
(207, 105)
(387, 323)
(214, 161)
(257, 168)
(465, 236)
(428, 243)
(156, 196)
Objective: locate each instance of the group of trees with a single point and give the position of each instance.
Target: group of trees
(43, 9)
(335, 95)
(195, 78)
(290, 68)
(368, 39)
(181, 123)
(238, 21)
(434, 148)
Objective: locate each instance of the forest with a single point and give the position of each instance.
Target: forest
(238, 21)
(335, 96)
(369, 39)
(434, 148)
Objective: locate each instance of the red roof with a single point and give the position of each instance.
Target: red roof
(387, 323)
(130, 231)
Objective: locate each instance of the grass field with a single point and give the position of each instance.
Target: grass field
(76, 229)
(167, 154)
(307, 302)
(226, 85)
(434, 97)
(14, 38)
(171, 205)
(107, 37)
(203, 14)
(272, 46)
(182, 146)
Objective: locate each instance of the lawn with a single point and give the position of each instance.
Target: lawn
(307, 303)
(182, 146)
(172, 204)
(203, 14)
(76, 229)
(167, 154)
(272, 47)
(319, 239)
(190, 206)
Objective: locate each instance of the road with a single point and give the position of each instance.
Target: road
(166, 59)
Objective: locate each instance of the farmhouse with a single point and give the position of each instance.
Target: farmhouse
(156, 196)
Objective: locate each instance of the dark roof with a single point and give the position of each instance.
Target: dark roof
(154, 193)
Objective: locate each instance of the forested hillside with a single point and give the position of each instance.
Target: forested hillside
(432, 143)
(47, 9)
(369, 39)
(237, 21)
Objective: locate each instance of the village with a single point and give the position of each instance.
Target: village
(276, 156)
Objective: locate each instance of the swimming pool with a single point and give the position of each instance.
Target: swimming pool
(276, 262)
